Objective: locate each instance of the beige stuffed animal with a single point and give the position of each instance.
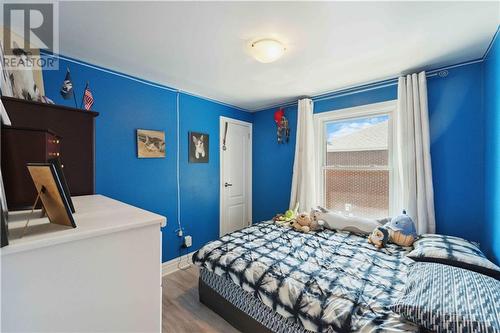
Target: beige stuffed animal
(303, 222)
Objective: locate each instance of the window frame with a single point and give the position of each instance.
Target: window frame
(368, 110)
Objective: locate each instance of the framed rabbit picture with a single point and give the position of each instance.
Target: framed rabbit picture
(198, 147)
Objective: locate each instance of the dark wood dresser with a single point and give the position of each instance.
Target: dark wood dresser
(21, 146)
(47, 131)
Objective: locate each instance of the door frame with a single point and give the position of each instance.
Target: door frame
(222, 120)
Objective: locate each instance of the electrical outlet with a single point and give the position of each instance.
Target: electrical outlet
(188, 241)
(179, 233)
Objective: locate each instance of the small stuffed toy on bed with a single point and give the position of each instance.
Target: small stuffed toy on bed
(288, 218)
(303, 222)
(337, 221)
(379, 237)
(402, 230)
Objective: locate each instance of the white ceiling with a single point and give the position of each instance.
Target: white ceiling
(202, 47)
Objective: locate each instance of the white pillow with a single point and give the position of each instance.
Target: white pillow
(336, 221)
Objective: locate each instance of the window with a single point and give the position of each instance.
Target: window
(354, 149)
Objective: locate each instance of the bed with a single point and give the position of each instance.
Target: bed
(270, 278)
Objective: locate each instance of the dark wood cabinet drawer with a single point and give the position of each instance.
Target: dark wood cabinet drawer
(53, 145)
(21, 146)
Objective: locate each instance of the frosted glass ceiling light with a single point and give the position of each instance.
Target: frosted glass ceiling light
(267, 50)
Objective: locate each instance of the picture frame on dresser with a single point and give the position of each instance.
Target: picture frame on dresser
(4, 230)
(3, 198)
(51, 193)
(60, 173)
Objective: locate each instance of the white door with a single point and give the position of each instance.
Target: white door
(235, 175)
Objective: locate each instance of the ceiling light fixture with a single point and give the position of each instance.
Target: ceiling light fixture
(267, 50)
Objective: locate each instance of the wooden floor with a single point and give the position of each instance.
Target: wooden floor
(183, 312)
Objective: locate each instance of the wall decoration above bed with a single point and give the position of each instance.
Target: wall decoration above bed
(198, 147)
(283, 129)
(150, 144)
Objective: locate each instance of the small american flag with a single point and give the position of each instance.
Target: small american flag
(88, 99)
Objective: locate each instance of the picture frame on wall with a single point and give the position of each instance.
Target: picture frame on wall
(24, 81)
(150, 144)
(198, 147)
(5, 81)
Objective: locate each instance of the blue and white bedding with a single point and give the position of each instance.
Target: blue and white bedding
(448, 299)
(326, 281)
(453, 251)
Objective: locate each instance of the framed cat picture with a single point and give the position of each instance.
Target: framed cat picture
(150, 144)
(198, 147)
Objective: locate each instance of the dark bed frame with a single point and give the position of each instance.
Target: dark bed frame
(234, 316)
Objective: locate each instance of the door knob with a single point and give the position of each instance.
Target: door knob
(226, 184)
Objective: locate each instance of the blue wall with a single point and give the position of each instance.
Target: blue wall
(457, 126)
(200, 182)
(492, 154)
(126, 104)
(272, 165)
(457, 151)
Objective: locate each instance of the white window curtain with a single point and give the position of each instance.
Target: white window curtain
(304, 179)
(412, 159)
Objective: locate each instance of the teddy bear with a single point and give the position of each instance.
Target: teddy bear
(303, 222)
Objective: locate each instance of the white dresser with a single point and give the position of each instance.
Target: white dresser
(104, 275)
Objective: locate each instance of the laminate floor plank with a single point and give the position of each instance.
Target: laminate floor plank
(182, 310)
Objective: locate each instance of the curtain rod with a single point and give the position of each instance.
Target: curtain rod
(392, 82)
(441, 72)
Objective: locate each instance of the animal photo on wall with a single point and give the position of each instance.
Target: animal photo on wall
(150, 144)
(198, 147)
(25, 80)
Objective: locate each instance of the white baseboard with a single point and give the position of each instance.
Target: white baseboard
(171, 266)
